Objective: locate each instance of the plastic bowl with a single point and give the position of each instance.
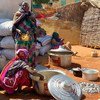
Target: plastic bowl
(90, 74)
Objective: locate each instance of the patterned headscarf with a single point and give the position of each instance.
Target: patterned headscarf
(23, 50)
(21, 6)
(55, 36)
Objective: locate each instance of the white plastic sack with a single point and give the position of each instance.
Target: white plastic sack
(37, 53)
(9, 7)
(6, 28)
(4, 20)
(2, 61)
(38, 46)
(7, 42)
(45, 49)
(45, 40)
(8, 53)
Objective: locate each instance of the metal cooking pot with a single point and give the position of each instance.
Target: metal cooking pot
(42, 86)
(60, 57)
(60, 60)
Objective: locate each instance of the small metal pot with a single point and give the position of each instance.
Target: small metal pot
(77, 72)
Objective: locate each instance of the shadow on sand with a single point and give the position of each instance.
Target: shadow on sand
(24, 95)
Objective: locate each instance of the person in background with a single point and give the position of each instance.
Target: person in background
(17, 73)
(24, 25)
(40, 32)
(56, 41)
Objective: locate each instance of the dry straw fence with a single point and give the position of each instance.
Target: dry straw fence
(89, 21)
(73, 12)
(90, 29)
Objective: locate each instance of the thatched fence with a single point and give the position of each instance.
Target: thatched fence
(73, 12)
(90, 29)
(88, 20)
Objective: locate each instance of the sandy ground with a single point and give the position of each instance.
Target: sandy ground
(82, 59)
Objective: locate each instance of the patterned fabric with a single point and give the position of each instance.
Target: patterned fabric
(45, 40)
(23, 50)
(55, 37)
(17, 65)
(6, 68)
(26, 25)
(31, 47)
(21, 78)
(15, 75)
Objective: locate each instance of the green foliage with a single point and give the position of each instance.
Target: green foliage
(41, 1)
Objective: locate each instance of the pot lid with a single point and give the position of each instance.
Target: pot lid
(61, 49)
(62, 87)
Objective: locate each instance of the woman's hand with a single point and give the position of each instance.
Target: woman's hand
(42, 77)
(19, 31)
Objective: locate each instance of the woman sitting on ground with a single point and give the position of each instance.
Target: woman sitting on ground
(17, 73)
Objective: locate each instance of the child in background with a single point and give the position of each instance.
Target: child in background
(56, 41)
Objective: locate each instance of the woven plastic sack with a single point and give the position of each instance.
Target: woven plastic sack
(8, 53)
(45, 40)
(45, 49)
(7, 42)
(2, 61)
(6, 28)
(4, 20)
